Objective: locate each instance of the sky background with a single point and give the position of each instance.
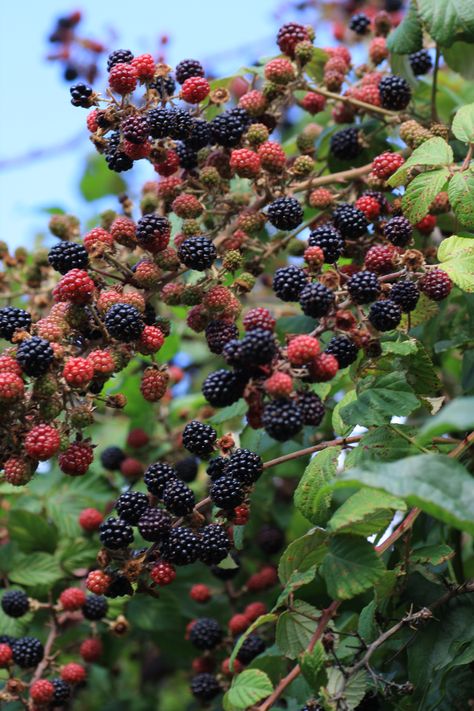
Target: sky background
(37, 113)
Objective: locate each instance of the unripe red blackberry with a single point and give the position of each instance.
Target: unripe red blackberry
(42, 691)
(73, 673)
(200, 593)
(436, 284)
(323, 368)
(426, 225)
(42, 442)
(98, 582)
(385, 164)
(90, 519)
(76, 287)
(278, 385)
(245, 163)
(12, 388)
(272, 157)
(123, 78)
(279, 71)
(369, 206)
(163, 574)
(255, 103)
(144, 66)
(72, 599)
(378, 50)
(18, 471)
(78, 372)
(380, 259)
(77, 458)
(313, 103)
(302, 349)
(151, 340)
(194, 90)
(91, 649)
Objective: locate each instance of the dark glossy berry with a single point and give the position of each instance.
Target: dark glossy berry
(187, 469)
(199, 135)
(188, 68)
(135, 128)
(226, 492)
(119, 56)
(218, 333)
(205, 687)
(111, 458)
(395, 92)
(282, 419)
(34, 355)
(312, 408)
(251, 648)
(180, 124)
(27, 652)
(359, 24)
(364, 287)
(216, 467)
(115, 533)
(62, 691)
(330, 240)
(288, 283)
(199, 438)
(131, 505)
(316, 300)
(405, 294)
(245, 466)
(436, 284)
(124, 322)
(81, 95)
(15, 603)
(206, 633)
(197, 253)
(420, 62)
(270, 539)
(285, 213)
(257, 347)
(116, 159)
(165, 86)
(385, 315)
(346, 144)
(398, 231)
(223, 387)
(350, 221)
(227, 128)
(157, 476)
(181, 547)
(344, 349)
(65, 256)
(13, 319)
(215, 544)
(95, 607)
(153, 229)
(289, 35)
(159, 122)
(188, 159)
(178, 498)
(154, 524)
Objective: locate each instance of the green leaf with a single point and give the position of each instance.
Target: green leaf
(302, 554)
(13, 626)
(456, 255)
(408, 36)
(32, 532)
(461, 197)
(457, 416)
(460, 57)
(262, 620)
(315, 67)
(381, 399)
(463, 124)
(296, 580)
(382, 444)
(448, 20)
(295, 629)
(340, 427)
(98, 181)
(238, 409)
(350, 567)
(320, 470)
(435, 151)
(421, 192)
(365, 512)
(311, 663)
(435, 555)
(248, 688)
(35, 569)
(367, 627)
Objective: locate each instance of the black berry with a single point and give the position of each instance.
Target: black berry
(251, 648)
(178, 498)
(215, 544)
(345, 144)
(227, 492)
(385, 315)
(124, 322)
(223, 387)
(135, 128)
(359, 24)
(350, 221)
(197, 253)
(199, 438)
(227, 128)
(364, 287)
(285, 213)
(34, 355)
(420, 62)
(316, 300)
(119, 56)
(205, 687)
(131, 505)
(15, 603)
(344, 349)
(154, 524)
(288, 283)
(187, 469)
(151, 228)
(111, 458)
(62, 691)
(188, 68)
(81, 95)
(206, 633)
(395, 92)
(27, 652)
(65, 256)
(157, 476)
(312, 408)
(398, 231)
(282, 419)
(95, 607)
(181, 547)
(13, 319)
(115, 533)
(405, 294)
(329, 239)
(245, 466)
(218, 333)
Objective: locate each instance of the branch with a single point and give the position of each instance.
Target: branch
(47, 651)
(354, 102)
(340, 177)
(341, 441)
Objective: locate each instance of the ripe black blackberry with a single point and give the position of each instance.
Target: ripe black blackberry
(282, 419)
(350, 221)
(398, 231)
(188, 159)
(131, 505)
(216, 467)
(152, 227)
(62, 691)
(116, 159)
(346, 144)
(27, 652)
(157, 476)
(226, 492)
(329, 239)
(188, 68)
(385, 315)
(13, 319)
(316, 299)
(251, 648)
(420, 62)
(34, 355)
(119, 587)
(135, 128)
(159, 122)
(218, 333)
(178, 498)
(65, 256)
(199, 438)
(95, 607)
(200, 134)
(223, 387)
(227, 128)
(215, 544)
(288, 283)
(181, 123)
(257, 347)
(285, 213)
(245, 466)
(343, 349)
(359, 24)
(15, 603)
(187, 469)
(181, 546)
(197, 253)
(206, 633)
(81, 95)
(119, 56)
(124, 322)
(154, 524)
(405, 294)
(115, 533)
(149, 315)
(270, 539)
(364, 287)
(111, 458)
(312, 408)
(395, 92)
(6, 639)
(165, 86)
(205, 687)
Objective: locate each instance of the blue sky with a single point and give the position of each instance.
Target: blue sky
(36, 110)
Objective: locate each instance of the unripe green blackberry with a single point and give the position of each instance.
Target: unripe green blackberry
(232, 260)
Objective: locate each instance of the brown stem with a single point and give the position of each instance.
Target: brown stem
(341, 441)
(47, 651)
(340, 177)
(354, 102)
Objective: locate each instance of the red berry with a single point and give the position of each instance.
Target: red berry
(369, 94)
(98, 582)
(17, 471)
(168, 165)
(313, 103)
(378, 50)
(279, 71)
(91, 649)
(254, 610)
(136, 151)
(321, 198)
(91, 120)
(380, 259)
(245, 163)
(436, 284)
(42, 691)
(340, 51)
(272, 157)
(150, 341)
(12, 387)
(238, 624)
(168, 188)
(77, 458)
(154, 384)
(9, 365)
(131, 468)
(236, 667)
(302, 349)
(144, 66)
(314, 257)
(102, 361)
(98, 241)
(73, 673)
(203, 665)
(324, 367)
(426, 225)
(138, 438)
(258, 318)
(72, 599)
(200, 593)
(254, 102)
(187, 206)
(369, 206)
(76, 286)
(163, 574)
(124, 230)
(78, 372)
(278, 385)
(42, 442)
(6, 655)
(217, 299)
(90, 519)
(241, 515)
(385, 165)
(195, 89)
(123, 78)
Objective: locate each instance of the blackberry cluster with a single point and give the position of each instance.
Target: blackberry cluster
(154, 524)
(65, 256)
(197, 253)
(316, 300)
(285, 213)
(95, 607)
(13, 319)
(395, 92)
(346, 144)
(344, 349)
(124, 322)
(114, 533)
(131, 505)
(288, 283)
(350, 221)
(223, 387)
(34, 356)
(282, 419)
(157, 476)
(199, 438)
(364, 287)
(330, 240)
(15, 603)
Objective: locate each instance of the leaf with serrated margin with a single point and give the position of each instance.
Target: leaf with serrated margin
(319, 471)
(248, 688)
(435, 555)
(340, 427)
(408, 36)
(434, 152)
(350, 567)
(457, 416)
(421, 192)
(456, 256)
(379, 399)
(461, 197)
(463, 124)
(303, 553)
(296, 580)
(365, 512)
(311, 663)
(295, 629)
(448, 20)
